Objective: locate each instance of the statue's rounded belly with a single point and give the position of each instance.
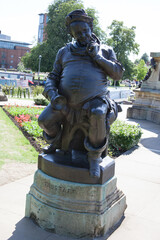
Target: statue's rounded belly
(78, 87)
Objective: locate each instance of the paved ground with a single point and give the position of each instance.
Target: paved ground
(23, 102)
(138, 173)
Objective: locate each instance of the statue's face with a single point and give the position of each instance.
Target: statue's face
(81, 32)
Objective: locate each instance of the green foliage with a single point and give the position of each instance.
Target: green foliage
(17, 111)
(13, 91)
(5, 90)
(20, 67)
(145, 57)
(96, 27)
(130, 70)
(28, 93)
(19, 91)
(37, 90)
(124, 136)
(24, 92)
(32, 128)
(57, 35)
(27, 118)
(31, 59)
(41, 100)
(141, 70)
(122, 39)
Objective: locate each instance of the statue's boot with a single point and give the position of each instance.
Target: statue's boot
(54, 142)
(94, 158)
(79, 159)
(94, 167)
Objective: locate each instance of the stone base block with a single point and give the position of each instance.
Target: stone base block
(74, 209)
(144, 113)
(146, 105)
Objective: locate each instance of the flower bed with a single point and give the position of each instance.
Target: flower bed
(26, 119)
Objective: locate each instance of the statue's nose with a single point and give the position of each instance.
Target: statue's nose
(83, 34)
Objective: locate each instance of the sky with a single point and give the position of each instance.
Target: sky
(19, 19)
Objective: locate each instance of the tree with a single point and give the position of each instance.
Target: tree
(57, 35)
(141, 70)
(122, 39)
(31, 59)
(20, 67)
(145, 57)
(96, 27)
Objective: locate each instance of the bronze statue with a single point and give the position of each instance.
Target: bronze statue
(80, 113)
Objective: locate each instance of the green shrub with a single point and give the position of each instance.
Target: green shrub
(124, 136)
(13, 91)
(28, 93)
(41, 100)
(18, 92)
(5, 89)
(37, 90)
(24, 92)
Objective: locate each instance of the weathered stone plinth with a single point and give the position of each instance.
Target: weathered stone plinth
(3, 97)
(147, 102)
(74, 209)
(146, 106)
(86, 209)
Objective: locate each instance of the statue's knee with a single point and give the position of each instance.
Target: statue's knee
(98, 113)
(111, 117)
(41, 121)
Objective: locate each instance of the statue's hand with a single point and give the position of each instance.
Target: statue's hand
(59, 103)
(92, 49)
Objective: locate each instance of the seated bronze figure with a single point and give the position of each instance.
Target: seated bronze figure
(80, 112)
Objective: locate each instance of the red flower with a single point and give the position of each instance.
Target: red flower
(23, 118)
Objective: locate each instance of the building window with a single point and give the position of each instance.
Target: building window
(12, 56)
(47, 19)
(41, 18)
(3, 54)
(11, 61)
(10, 67)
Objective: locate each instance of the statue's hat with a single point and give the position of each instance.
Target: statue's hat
(76, 16)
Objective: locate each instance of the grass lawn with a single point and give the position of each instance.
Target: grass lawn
(14, 145)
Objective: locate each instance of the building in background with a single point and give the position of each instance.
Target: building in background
(43, 19)
(11, 51)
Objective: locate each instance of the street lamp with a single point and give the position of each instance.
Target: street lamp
(39, 65)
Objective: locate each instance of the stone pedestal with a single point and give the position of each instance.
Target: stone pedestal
(3, 97)
(147, 102)
(75, 209)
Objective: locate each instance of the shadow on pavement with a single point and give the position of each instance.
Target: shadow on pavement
(151, 137)
(26, 229)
